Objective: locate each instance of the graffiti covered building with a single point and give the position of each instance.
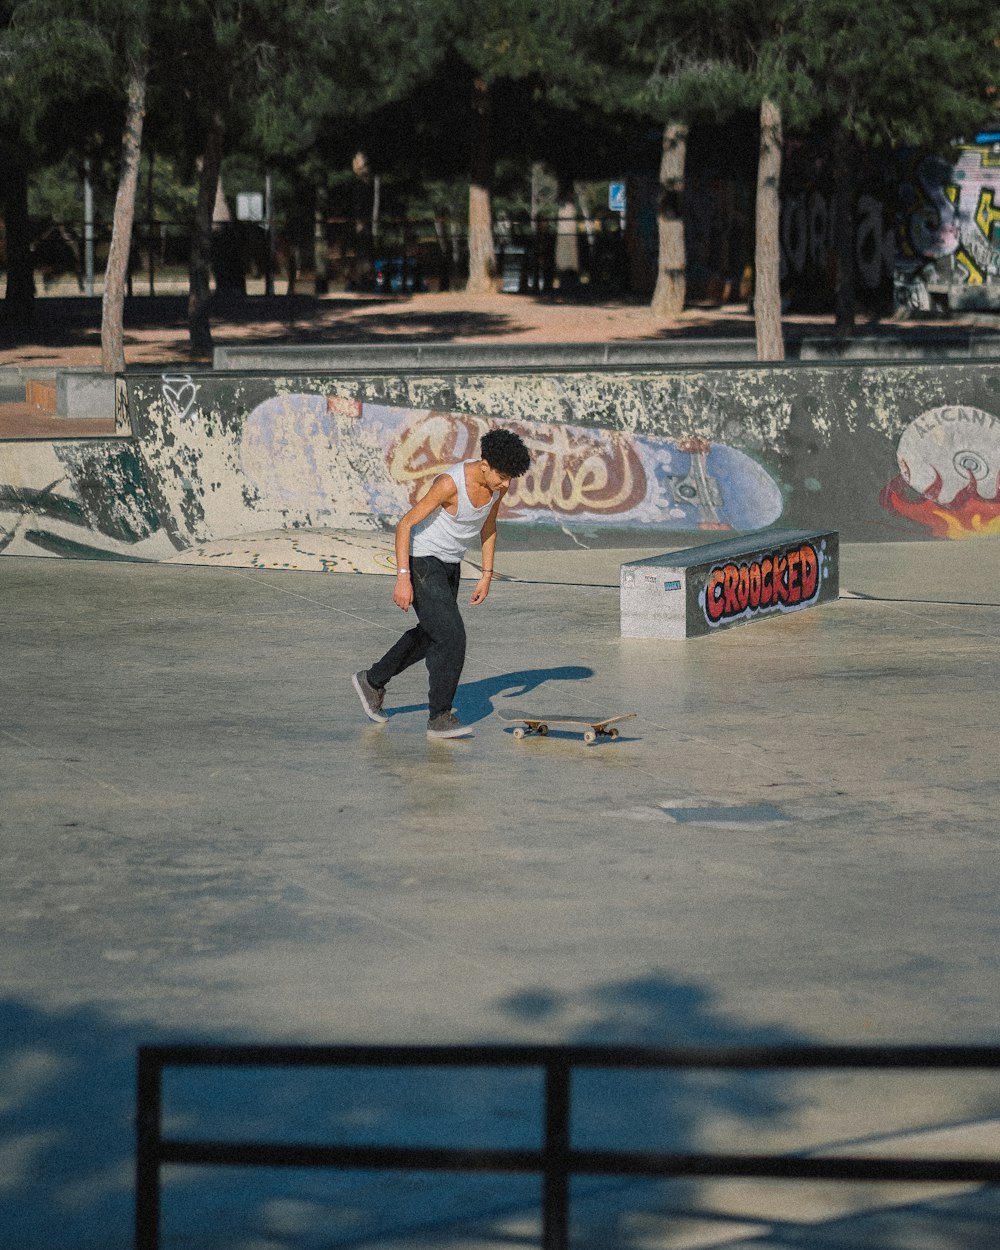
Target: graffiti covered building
(808, 224)
(948, 245)
(926, 230)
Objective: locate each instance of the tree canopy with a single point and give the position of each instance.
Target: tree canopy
(438, 92)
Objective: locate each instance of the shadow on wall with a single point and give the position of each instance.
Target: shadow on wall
(66, 1142)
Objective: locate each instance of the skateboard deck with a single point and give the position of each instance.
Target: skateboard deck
(593, 727)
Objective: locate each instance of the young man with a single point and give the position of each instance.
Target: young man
(430, 545)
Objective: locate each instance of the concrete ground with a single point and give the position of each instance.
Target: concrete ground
(202, 839)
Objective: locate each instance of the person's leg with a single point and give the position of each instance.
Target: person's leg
(410, 649)
(435, 599)
(370, 684)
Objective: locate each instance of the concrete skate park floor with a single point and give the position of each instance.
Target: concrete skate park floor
(204, 840)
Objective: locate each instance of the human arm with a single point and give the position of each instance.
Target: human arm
(488, 535)
(443, 491)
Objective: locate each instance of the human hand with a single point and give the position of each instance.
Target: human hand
(402, 592)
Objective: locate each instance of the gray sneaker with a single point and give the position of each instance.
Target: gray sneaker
(447, 725)
(371, 697)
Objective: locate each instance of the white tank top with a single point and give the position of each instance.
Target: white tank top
(447, 536)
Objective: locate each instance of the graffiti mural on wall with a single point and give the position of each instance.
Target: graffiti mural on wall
(807, 245)
(78, 499)
(949, 472)
(315, 470)
(949, 226)
(809, 203)
(296, 450)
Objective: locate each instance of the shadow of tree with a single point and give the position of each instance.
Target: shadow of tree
(66, 1143)
(675, 1110)
(66, 1111)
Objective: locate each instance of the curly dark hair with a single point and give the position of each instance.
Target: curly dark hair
(504, 451)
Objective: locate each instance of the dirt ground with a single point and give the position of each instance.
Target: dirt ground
(68, 329)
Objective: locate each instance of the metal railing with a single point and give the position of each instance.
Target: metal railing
(555, 1160)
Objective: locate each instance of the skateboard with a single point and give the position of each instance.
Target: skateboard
(593, 727)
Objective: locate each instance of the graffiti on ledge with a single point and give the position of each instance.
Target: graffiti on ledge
(782, 581)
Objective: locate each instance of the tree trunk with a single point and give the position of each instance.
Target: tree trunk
(361, 265)
(116, 273)
(321, 251)
(200, 293)
(483, 278)
(19, 301)
(843, 232)
(668, 297)
(567, 243)
(767, 260)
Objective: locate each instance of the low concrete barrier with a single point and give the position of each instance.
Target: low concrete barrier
(85, 393)
(82, 391)
(954, 347)
(377, 357)
(698, 591)
(666, 353)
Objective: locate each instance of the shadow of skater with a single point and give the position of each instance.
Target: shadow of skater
(474, 700)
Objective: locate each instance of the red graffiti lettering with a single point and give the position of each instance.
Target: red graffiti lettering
(810, 572)
(755, 578)
(743, 587)
(778, 581)
(731, 605)
(794, 586)
(713, 596)
(789, 578)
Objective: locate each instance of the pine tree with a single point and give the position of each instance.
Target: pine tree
(68, 60)
(503, 42)
(272, 77)
(678, 63)
(49, 67)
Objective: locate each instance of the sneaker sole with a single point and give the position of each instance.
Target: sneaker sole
(464, 732)
(377, 717)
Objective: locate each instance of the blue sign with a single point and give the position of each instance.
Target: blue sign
(616, 197)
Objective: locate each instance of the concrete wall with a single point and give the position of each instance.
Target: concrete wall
(881, 451)
(876, 452)
(83, 498)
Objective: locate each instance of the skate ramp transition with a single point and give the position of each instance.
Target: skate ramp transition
(311, 470)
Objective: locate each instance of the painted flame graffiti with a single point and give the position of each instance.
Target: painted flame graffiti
(966, 516)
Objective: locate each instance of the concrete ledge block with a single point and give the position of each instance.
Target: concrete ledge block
(85, 393)
(380, 356)
(700, 590)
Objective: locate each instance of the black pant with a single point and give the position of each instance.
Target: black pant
(439, 636)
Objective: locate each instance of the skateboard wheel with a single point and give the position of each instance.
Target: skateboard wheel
(613, 733)
(519, 733)
(543, 730)
(590, 736)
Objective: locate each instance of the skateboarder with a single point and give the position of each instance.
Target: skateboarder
(430, 544)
